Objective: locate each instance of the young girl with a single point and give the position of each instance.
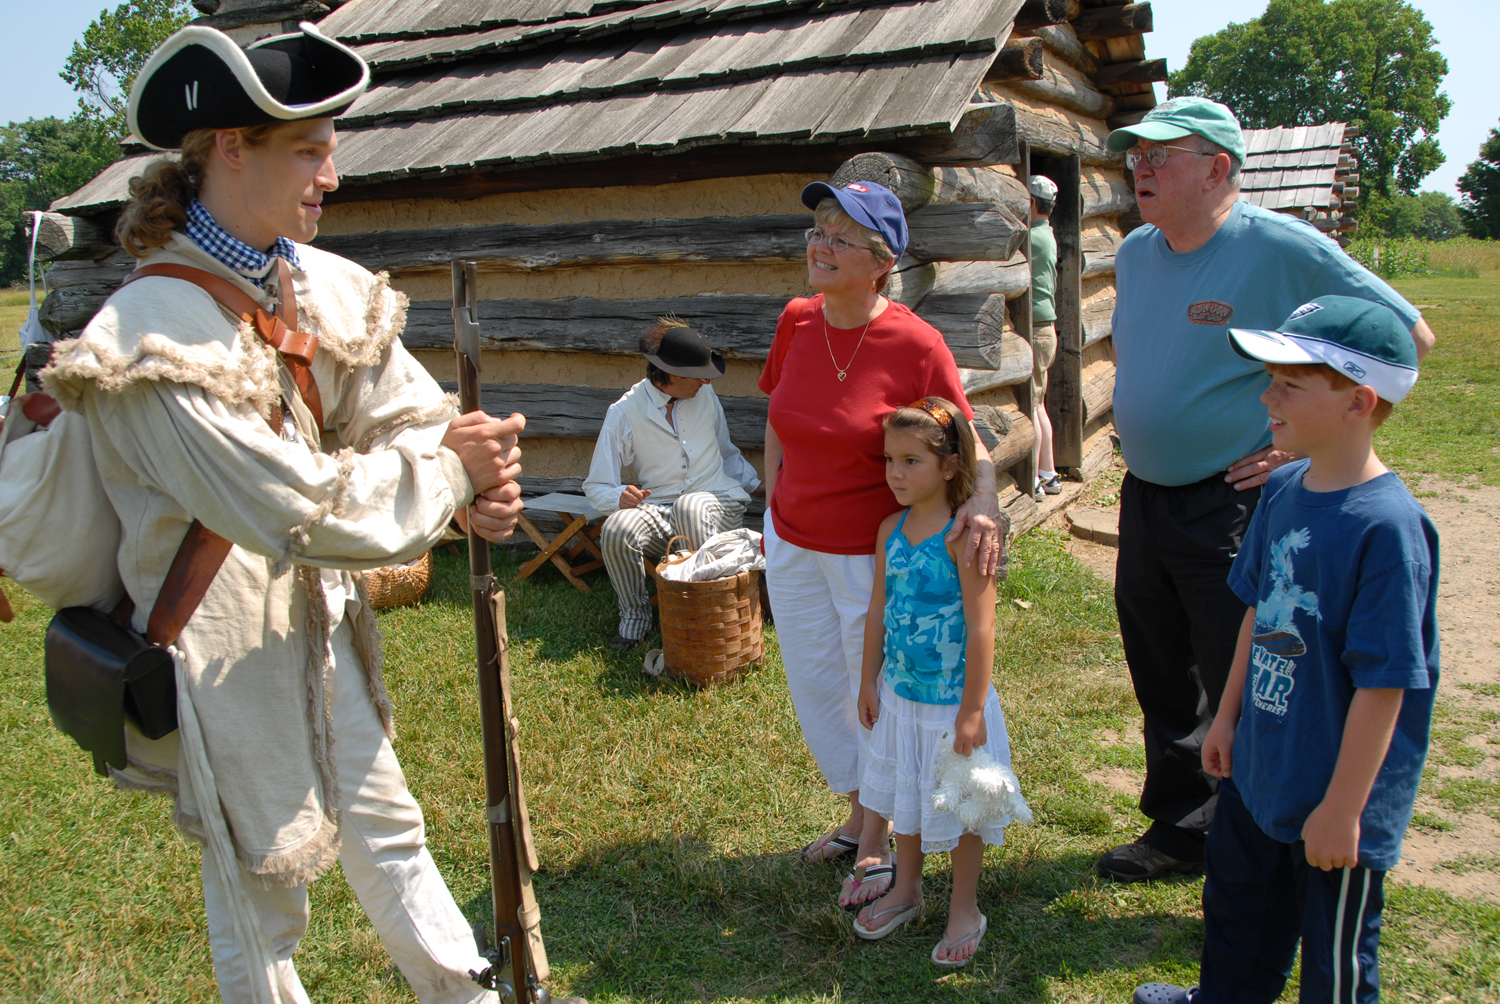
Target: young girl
(931, 626)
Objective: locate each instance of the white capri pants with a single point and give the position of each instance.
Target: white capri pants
(820, 601)
(384, 857)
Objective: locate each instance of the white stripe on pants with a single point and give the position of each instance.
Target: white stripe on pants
(384, 857)
(632, 534)
(820, 601)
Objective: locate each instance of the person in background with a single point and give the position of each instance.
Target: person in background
(1196, 437)
(694, 482)
(1043, 329)
(1321, 736)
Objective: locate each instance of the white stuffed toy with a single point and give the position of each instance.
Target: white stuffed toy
(978, 790)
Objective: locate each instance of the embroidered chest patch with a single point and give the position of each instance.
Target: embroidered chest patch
(1211, 312)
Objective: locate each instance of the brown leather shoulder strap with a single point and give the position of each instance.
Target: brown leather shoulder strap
(197, 561)
(279, 330)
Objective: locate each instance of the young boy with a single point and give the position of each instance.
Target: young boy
(1322, 732)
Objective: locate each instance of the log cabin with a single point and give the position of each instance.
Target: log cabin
(609, 161)
(1306, 171)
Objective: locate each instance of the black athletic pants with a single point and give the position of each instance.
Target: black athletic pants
(1179, 622)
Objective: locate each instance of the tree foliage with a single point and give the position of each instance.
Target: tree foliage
(1426, 216)
(1370, 63)
(44, 159)
(103, 64)
(1480, 186)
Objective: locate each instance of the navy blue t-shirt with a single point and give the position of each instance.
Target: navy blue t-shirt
(1344, 586)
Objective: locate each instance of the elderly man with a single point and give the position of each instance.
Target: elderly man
(1196, 437)
(693, 481)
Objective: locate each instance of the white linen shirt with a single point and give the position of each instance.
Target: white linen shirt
(695, 456)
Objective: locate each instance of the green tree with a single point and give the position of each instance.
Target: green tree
(103, 64)
(44, 159)
(1481, 187)
(1428, 216)
(1370, 63)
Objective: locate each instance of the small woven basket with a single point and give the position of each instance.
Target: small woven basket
(399, 585)
(710, 631)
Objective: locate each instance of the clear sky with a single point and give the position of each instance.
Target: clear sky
(43, 33)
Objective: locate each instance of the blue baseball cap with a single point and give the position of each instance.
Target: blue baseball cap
(1365, 340)
(869, 205)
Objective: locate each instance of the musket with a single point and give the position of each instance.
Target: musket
(518, 960)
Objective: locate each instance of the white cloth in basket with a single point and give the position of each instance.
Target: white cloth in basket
(722, 555)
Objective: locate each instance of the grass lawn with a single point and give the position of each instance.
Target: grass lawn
(13, 307)
(665, 819)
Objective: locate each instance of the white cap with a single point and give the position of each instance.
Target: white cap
(1044, 188)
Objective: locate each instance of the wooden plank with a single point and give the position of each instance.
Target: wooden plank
(1099, 254)
(1065, 87)
(560, 411)
(910, 281)
(910, 181)
(982, 184)
(69, 238)
(1062, 43)
(1098, 389)
(972, 325)
(1055, 137)
(1035, 13)
(741, 327)
(976, 231)
(1019, 59)
(1006, 432)
(985, 134)
(1142, 71)
(1009, 279)
(1064, 390)
(1104, 196)
(1113, 22)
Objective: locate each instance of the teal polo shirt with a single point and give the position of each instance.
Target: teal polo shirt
(1186, 404)
(1043, 272)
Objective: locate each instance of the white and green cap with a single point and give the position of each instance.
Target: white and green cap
(1366, 341)
(1181, 117)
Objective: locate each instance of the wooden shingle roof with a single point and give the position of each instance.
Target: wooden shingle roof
(1291, 167)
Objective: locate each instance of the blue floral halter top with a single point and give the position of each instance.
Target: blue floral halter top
(925, 634)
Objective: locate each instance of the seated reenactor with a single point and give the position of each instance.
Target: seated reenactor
(694, 482)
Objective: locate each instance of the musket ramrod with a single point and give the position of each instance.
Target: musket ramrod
(514, 964)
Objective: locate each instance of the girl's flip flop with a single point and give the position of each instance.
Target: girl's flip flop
(860, 876)
(899, 916)
(842, 845)
(977, 935)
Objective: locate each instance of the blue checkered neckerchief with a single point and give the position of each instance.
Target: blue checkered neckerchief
(241, 257)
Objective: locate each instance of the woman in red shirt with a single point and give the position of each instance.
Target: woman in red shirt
(841, 361)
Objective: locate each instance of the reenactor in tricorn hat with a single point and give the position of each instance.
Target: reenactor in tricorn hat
(316, 447)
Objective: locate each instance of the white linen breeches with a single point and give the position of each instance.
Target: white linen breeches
(384, 857)
(819, 601)
(629, 535)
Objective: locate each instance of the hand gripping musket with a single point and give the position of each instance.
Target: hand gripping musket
(518, 960)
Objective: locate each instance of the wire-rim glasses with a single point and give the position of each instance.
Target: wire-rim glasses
(1156, 156)
(835, 243)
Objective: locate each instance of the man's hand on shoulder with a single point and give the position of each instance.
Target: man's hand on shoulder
(487, 447)
(633, 496)
(1252, 471)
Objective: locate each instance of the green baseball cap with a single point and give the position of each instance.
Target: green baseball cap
(1365, 340)
(1181, 117)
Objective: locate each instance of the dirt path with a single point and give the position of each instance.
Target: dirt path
(1454, 841)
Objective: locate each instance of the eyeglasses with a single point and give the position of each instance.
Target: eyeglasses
(1156, 156)
(835, 243)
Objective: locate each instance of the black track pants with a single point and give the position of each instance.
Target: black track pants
(1179, 622)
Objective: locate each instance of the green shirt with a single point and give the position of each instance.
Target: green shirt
(1043, 271)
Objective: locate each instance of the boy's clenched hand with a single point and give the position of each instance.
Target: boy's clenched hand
(1331, 836)
(1218, 747)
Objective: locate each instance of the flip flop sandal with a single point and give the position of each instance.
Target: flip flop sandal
(843, 844)
(977, 934)
(902, 915)
(860, 876)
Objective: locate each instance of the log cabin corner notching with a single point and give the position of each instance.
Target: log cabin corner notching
(608, 161)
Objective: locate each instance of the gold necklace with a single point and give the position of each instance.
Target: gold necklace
(843, 370)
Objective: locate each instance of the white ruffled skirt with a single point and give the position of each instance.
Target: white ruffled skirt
(900, 774)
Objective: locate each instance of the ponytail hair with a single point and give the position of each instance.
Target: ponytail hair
(160, 196)
(938, 423)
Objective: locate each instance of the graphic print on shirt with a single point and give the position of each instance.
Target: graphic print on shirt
(1276, 639)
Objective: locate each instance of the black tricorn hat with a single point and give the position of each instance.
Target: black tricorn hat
(685, 352)
(200, 79)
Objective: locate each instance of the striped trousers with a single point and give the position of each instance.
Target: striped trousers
(1261, 897)
(644, 531)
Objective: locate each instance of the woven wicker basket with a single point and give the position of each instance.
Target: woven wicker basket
(399, 585)
(710, 631)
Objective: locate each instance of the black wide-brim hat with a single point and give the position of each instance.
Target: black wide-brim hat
(685, 352)
(200, 79)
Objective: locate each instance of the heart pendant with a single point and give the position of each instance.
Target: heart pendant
(842, 374)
